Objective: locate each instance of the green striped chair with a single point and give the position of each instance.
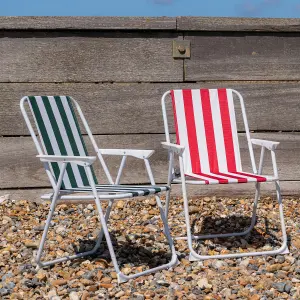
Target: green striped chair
(62, 151)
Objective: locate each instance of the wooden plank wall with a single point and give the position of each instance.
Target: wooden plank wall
(118, 69)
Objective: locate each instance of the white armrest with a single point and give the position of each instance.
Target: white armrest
(173, 147)
(127, 152)
(79, 160)
(267, 144)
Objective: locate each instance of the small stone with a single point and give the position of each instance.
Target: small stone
(92, 288)
(217, 264)
(60, 229)
(86, 281)
(194, 209)
(254, 297)
(203, 284)
(288, 286)
(245, 262)
(52, 293)
(296, 243)
(279, 286)
(85, 295)
(4, 292)
(106, 285)
(59, 282)
(120, 294)
(120, 204)
(280, 259)
(126, 271)
(41, 275)
(31, 244)
(138, 296)
(152, 202)
(273, 268)
(163, 283)
(74, 296)
(90, 207)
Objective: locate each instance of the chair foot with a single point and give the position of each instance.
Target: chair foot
(192, 257)
(212, 236)
(285, 251)
(122, 278)
(41, 265)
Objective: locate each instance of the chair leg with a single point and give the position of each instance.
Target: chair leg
(168, 194)
(282, 250)
(122, 277)
(101, 233)
(41, 264)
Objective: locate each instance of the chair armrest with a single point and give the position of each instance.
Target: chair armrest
(79, 160)
(173, 147)
(141, 154)
(270, 145)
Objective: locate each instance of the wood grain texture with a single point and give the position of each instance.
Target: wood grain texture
(288, 188)
(243, 56)
(88, 23)
(19, 167)
(238, 24)
(93, 56)
(136, 108)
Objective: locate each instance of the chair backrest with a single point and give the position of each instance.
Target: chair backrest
(205, 123)
(60, 134)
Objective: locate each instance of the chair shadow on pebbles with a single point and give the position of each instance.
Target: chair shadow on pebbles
(262, 235)
(127, 251)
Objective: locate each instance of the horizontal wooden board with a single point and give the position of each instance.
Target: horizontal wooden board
(243, 56)
(288, 188)
(136, 108)
(93, 56)
(19, 167)
(153, 23)
(238, 24)
(88, 23)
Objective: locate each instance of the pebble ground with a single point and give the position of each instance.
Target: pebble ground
(136, 231)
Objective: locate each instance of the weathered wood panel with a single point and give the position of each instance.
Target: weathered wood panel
(109, 107)
(288, 188)
(20, 168)
(88, 23)
(243, 56)
(238, 24)
(65, 56)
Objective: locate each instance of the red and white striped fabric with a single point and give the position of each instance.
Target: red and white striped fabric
(206, 125)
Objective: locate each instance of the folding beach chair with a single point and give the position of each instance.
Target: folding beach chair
(62, 150)
(209, 153)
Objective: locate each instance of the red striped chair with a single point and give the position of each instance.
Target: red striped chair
(209, 153)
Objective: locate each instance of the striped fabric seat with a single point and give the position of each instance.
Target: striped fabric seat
(205, 124)
(135, 191)
(60, 134)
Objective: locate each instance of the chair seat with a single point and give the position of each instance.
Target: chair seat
(225, 178)
(134, 190)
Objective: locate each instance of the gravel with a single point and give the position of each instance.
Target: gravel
(139, 242)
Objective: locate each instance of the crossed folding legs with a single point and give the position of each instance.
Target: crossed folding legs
(209, 153)
(62, 150)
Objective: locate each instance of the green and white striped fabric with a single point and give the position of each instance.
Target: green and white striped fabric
(60, 135)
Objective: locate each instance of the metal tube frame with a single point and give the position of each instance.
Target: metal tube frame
(98, 197)
(195, 256)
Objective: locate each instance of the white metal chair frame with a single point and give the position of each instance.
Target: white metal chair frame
(86, 162)
(179, 150)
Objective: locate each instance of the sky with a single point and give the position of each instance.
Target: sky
(216, 8)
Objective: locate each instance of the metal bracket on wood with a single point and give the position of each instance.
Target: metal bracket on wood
(181, 49)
